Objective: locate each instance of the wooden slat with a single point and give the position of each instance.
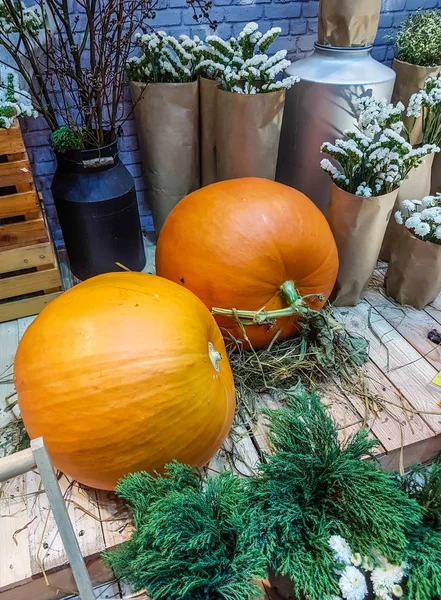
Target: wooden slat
(26, 307)
(16, 172)
(402, 364)
(404, 435)
(46, 546)
(11, 140)
(24, 203)
(29, 283)
(115, 518)
(434, 310)
(14, 555)
(412, 324)
(26, 257)
(24, 233)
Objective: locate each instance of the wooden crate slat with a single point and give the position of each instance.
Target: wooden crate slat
(16, 172)
(11, 140)
(25, 308)
(29, 283)
(23, 203)
(15, 557)
(24, 233)
(26, 257)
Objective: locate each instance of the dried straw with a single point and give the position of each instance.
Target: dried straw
(323, 349)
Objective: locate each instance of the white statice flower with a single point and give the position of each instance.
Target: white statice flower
(341, 549)
(399, 217)
(352, 584)
(364, 190)
(14, 102)
(376, 157)
(438, 232)
(415, 105)
(397, 591)
(249, 29)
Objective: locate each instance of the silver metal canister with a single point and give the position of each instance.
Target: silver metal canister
(320, 108)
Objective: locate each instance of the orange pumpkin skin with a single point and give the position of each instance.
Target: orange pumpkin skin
(235, 242)
(116, 375)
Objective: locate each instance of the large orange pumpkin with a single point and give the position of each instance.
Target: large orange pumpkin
(125, 372)
(235, 243)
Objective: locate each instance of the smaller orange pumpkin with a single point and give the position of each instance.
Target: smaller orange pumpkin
(245, 244)
(125, 372)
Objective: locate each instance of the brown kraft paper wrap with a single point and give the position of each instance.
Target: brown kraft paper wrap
(345, 23)
(414, 274)
(207, 107)
(410, 80)
(414, 187)
(358, 225)
(167, 123)
(247, 134)
(436, 175)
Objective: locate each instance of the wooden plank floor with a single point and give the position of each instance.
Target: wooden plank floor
(403, 416)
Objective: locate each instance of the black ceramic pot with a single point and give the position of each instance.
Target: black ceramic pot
(97, 208)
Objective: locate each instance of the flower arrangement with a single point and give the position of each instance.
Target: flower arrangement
(14, 102)
(422, 218)
(312, 502)
(164, 59)
(427, 104)
(242, 64)
(30, 18)
(76, 78)
(356, 572)
(376, 156)
(314, 487)
(418, 40)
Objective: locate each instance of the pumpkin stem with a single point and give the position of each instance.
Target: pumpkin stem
(296, 306)
(288, 290)
(215, 356)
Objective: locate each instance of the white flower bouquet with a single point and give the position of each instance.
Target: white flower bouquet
(354, 572)
(376, 157)
(426, 105)
(164, 59)
(422, 218)
(14, 102)
(243, 65)
(414, 274)
(165, 93)
(373, 161)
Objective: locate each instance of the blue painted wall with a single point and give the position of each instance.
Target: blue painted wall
(298, 21)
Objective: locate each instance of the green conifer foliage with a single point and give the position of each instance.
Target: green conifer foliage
(423, 553)
(315, 486)
(188, 542)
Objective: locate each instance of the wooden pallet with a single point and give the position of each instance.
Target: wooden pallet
(402, 364)
(29, 274)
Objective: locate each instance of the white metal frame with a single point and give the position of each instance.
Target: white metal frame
(37, 456)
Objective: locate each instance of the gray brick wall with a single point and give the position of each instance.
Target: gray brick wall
(298, 20)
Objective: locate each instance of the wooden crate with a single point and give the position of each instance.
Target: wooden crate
(29, 274)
